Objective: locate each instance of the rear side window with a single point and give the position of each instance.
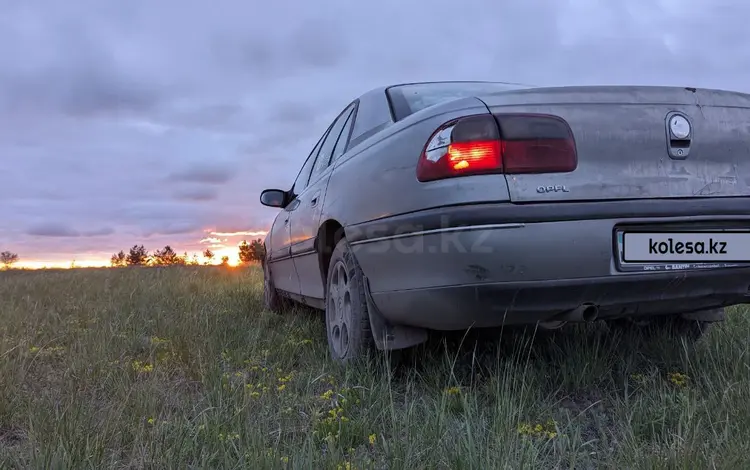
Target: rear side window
(304, 175)
(326, 150)
(408, 99)
(340, 147)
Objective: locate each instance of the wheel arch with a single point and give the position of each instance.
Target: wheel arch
(329, 234)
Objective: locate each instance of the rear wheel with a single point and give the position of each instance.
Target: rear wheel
(271, 298)
(347, 317)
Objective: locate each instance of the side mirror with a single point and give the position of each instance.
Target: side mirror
(273, 198)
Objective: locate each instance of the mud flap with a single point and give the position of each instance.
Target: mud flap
(386, 335)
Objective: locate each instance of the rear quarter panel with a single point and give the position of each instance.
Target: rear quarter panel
(377, 178)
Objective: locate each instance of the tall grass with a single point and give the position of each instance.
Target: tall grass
(182, 368)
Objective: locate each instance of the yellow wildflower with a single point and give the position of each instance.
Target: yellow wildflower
(453, 390)
(548, 430)
(139, 366)
(678, 378)
(525, 428)
(372, 439)
(33, 349)
(281, 387)
(285, 459)
(151, 421)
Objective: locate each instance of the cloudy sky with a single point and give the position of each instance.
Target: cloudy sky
(159, 122)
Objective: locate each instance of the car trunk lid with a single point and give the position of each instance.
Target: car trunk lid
(624, 146)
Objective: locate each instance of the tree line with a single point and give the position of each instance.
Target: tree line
(139, 256)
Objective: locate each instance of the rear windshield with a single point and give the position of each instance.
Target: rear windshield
(408, 99)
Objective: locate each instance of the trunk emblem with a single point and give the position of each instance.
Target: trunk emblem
(679, 126)
(679, 135)
(558, 188)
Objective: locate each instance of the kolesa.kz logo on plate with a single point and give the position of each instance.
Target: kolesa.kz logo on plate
(700, 247)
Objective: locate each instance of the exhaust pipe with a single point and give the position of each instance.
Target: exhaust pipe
(583, 313)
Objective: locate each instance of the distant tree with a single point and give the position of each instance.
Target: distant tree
(257, 250)
(137, 256)
(225, 260)
(246, 253)
(253, 251)
(165, 257)
(209, 255)
(7, 259)
(118, 260)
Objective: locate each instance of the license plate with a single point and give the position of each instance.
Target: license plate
(667, 251)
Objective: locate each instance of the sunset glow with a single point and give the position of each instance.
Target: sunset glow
(220, 243)
(239, 234)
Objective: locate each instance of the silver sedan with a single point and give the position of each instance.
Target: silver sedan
(455, 205)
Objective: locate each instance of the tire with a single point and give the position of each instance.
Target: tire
(272, 300)
(674, 325)
(347, 318)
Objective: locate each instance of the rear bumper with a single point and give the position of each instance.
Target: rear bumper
(502, 303)
(433, 270)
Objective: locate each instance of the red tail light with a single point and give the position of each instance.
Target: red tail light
(504, 143)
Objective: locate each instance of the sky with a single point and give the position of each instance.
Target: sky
(159, 122)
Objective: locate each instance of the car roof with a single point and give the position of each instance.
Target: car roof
(383, 88)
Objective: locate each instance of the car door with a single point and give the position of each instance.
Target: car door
(305, 219)
(283, 270)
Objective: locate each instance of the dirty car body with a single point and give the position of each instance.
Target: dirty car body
(473, 204)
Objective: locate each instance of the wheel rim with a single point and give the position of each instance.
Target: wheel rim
(339, 311)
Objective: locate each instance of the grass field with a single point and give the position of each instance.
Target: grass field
(182, 368)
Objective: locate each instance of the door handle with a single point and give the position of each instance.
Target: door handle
(314, 200)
